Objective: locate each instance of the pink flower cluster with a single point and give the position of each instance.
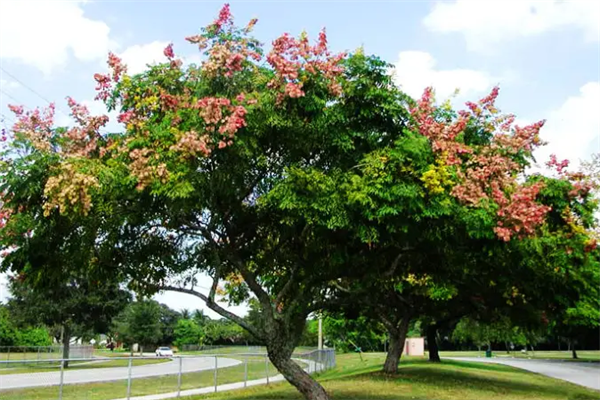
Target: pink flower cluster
(82, 140)
(214, 112)
(168, 51)
(559, 166)
(442, 135)
(104, 81)
(522, 214)
(486, 172)
(582, 183)
(291, 58)
(228, 58)
(193, 144)
(36, 126)
(144, 170)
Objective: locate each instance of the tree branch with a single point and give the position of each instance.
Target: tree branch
(286, 288)
(214, 306)
(397, 261)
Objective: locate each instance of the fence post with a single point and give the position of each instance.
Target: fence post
(179, 377)
(245, 371)
(62, 378)
(129, 378)
(216, 367)
(267, 367)
(320, 367)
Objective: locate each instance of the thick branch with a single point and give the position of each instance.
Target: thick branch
(286, 288)
(396, 261)
(215, 307)
(250, 280)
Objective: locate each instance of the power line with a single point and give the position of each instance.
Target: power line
(25, 85)
(9, 96)
(34, 92)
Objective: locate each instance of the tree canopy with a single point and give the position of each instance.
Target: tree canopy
(304, 180)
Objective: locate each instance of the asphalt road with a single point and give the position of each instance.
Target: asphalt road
(581, 373)
(37, 379)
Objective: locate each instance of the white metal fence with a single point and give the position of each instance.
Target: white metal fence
(16, 353)
(132, 378)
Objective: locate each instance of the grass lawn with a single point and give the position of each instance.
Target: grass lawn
(584, 355)
(143, 386)
(418, 379)
(48, 367)
(353, 378)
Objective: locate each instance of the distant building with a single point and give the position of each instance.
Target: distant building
(414, 347)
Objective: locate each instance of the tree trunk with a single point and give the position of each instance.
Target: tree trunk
(66, 338)
(300, 379)
(434, 354)
(574, 352)
(396, 347)
(507, 347)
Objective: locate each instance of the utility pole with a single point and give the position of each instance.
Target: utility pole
(320, 332)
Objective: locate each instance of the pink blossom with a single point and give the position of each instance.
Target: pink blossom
(168, 51)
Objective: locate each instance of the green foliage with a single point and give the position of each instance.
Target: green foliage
(8, 333)
(482, 334)
(351, 334)
(188, 332)
(139, 323)
(33, 337)
(224, 332)
(12, 335)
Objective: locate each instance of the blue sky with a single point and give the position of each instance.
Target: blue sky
(544, 54)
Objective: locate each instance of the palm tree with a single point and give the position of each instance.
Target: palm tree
(199, 317)
(185, 313)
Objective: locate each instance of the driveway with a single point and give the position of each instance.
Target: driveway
(580, 373)
(189, 364)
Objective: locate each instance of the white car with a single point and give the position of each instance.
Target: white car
(164, 352)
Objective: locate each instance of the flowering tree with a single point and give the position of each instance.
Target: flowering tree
(183, 188)
(279, 175)
(444, 208)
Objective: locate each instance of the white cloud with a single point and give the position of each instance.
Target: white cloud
(4, 84)
(43, 33)
(573, 129)
(3, 287)
(485, 24)
(415, 70)
(139, 56)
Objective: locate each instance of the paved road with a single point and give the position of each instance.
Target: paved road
(189, 364)
(581, 373)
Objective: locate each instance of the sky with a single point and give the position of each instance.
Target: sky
(544, 55)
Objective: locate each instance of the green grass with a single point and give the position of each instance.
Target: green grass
(48, 367)
(143, 386)
(584, 355)
(353, 378)
(419, 379)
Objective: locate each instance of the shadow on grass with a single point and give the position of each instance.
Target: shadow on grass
(502, 383)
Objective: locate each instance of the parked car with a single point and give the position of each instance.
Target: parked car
(164, 352)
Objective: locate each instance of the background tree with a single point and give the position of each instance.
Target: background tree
(139, 323)
(188, 332)
(76, 306)
(168, 324)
